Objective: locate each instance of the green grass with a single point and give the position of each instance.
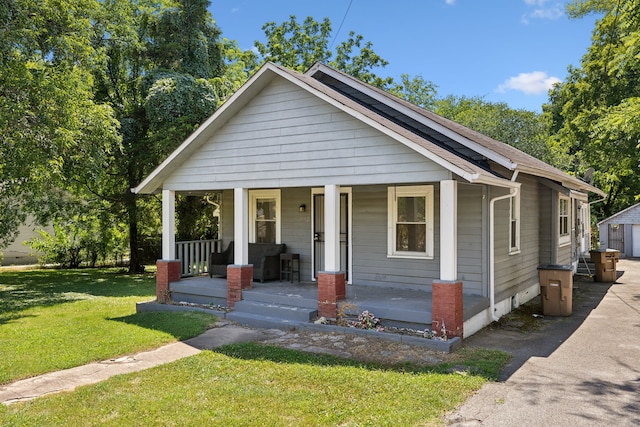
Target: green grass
(57, 319)
(255, 385)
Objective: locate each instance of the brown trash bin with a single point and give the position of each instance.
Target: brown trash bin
(605, 261)
(556, 289)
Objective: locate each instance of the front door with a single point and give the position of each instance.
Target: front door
(318, 233)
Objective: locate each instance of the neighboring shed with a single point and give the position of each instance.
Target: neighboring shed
(622, 232)
(18, 252)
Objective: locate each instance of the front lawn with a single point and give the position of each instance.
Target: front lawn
(57, 319)
(256, 385)
(53, 319)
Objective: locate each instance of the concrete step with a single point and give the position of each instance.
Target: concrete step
(285, 312)
(280, 298)
(258, 321)
(198, 294)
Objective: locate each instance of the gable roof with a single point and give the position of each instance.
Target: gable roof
(454, 147)
(451, 133)
(622, 213)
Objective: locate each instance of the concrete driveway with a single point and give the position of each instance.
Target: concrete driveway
(583, 370)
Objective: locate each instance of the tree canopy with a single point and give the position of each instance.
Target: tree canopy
(53, 131)
(594, 113)
(299, 46)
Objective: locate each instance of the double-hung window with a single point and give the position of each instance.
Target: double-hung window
(564, 222)
(265, 216)
(410, 229)
(514, 224)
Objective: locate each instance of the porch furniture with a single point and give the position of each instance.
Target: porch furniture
(287, 266)
(265, 258)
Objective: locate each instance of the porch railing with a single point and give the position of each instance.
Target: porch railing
(194, 255)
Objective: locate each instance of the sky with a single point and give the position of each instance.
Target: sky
(508, 51)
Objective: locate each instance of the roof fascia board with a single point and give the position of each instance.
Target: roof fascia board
(153, 181)
(502, 160)
(564, 178)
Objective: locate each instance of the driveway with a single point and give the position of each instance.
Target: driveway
(582, 370)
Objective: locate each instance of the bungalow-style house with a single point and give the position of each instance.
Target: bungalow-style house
(621, 232)
(374, 192)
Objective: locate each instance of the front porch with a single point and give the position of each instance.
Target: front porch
(284, 304)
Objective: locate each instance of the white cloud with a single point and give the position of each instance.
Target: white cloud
(542, 10)
(534, 83)
(450, 2)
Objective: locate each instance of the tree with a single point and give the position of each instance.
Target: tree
(594, 112)
(525, 130)
(53, 131)
(298, 47)
(158, 62)
(416, 90)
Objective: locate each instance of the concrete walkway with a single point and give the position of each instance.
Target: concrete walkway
(592, 378)
(69, 379)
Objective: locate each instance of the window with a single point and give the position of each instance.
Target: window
(265, 216)
(514, 224)
(410, 233)
(564, 225)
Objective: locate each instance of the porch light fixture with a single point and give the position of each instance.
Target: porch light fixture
(302, 208)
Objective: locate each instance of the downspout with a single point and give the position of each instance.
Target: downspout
(513, 191)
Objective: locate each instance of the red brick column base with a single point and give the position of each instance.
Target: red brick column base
(167, 272)
(331, 289)
(239, 277)
(446, 307)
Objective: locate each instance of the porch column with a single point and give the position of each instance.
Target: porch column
(449, 230)
(240, 274)
(168, 224)
(447, 310)
(331, 281)
(168, 268)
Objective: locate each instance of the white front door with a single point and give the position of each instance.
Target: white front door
(317, 248)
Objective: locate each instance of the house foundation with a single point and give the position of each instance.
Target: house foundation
(167, 272)
(447, 308)
(331, 289)
(239, 277)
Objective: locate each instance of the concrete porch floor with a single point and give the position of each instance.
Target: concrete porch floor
(405, 305)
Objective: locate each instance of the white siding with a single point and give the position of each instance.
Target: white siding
(286, 137)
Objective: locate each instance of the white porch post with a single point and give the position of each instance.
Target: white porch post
(168, 225)
(332, 228)
(241, 226)
(448, 230)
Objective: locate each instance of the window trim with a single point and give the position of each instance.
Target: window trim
(254, 195)
(564, 239)
(514, 216)
(393, 193)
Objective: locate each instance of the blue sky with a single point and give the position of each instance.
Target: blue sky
(503, 50)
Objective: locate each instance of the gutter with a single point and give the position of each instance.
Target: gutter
(513, 191)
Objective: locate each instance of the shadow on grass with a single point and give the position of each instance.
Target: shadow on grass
(181, 325)
(25, 289)
(480, 362)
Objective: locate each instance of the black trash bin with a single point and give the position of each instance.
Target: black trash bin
(556, 289)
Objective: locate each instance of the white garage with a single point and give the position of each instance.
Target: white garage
(622, 232)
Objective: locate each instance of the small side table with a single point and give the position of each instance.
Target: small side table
(287, 266)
